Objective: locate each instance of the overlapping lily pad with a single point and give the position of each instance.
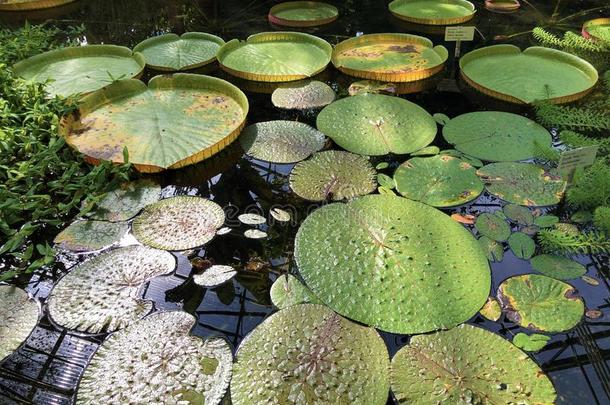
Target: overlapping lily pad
(287, 290)
(375, 124)
(18, 316)
(467, 364)
(522, 183)
(126, 201)
(83, 236)
(303, 95)
(518, 213)
(439, 181)
(540, 303)
(597, 29)
(80, 69)
(308, 354)
(156, 361)
(179, 223)
(334, 175)
(396, 264)
(302, 13)
(530, 343)
(101, 294)
(170, 52)
(176, 121)
(493, 227)
(433, 12)
(281, 141)
(558, 267)
(496, 136)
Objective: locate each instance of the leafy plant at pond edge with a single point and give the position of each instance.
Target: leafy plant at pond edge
(562, 241)
(595, 52)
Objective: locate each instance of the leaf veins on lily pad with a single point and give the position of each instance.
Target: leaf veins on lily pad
(18, 317)
(303, 95)
(126, 201)
(287, 290)
(84, 236)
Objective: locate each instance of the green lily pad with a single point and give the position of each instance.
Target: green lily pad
(540, 303)
(433, 12)
(496, 136)
(173, 122)
(215, 276)
(546, 221)
(519, 214)
(465, 365)
(559, 267)
(308, 354)
(396, 264)
(281, 141)
(334, 175)
(493, 227)
(101, 294)
(303, 95)
(81, 69)
(178, 223)
(374, 124)
(28, 5)
(156, 361)
(439, 181)
(493, 249)
(522, 245)
(385, 181)
(126, 201)
(530, 343)
(385, 190)
(84, 236)
(302, 13)
(275, 56)
(18, 317)
(287, 291)
(522, 183)
(170, 52)
(491, 310)
(427, 151)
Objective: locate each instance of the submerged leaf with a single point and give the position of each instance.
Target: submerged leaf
(126, 201)
(18, 317)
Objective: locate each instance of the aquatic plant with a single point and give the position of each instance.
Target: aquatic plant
(433, 12)
(569, 242)
(125, 201)
(287, 290)
(18, 316)
(596, 52)
(303, 95)
(558, 267)
(214, 276)
(85, 235)
(302, 13)
(601, 218)
(530, 343)
(491, 310)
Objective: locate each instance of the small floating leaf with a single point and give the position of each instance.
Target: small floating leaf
(518, 214)
(427, 151)
(385, 181)
(467, 219)
(255, 234)
(215, 276)
(84, 236)
(559, 267)
(303, 95)
(491, 310)
(382, 165)
(582, 217)
(441, 119)
(493, 227)
(590, 280)
(18, 317)
(251, 219)
(287, 290)
(223, 231)
(280, 215)
(371, 86)
(546, 221)
(385, 191)
(594, 313)
(522, 245)
(493, 249)
(530, 343)
(126, 201)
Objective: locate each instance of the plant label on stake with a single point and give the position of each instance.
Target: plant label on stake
(570, 160)
(457, 35)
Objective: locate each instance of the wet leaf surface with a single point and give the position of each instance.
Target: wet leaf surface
(18, 317)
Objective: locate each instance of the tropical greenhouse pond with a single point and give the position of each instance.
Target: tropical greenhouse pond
(267, 202)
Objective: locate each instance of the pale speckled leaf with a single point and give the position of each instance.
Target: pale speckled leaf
(251, 219)
(493, 227)
(530, 343)
(307, 354)
(126, 201)
(215, 276)
(519, 214)
(287, 290)
(156, 361)
(303, 95)
(255, 234)
(84, 236)
(18, 316)
(522, 245)
(491, 310)
(558, 267)
(493, 249)
(280, 215)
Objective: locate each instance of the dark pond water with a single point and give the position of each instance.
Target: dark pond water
(47, 368)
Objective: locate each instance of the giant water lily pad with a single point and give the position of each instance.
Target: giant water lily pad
(540, 303)
(493, 227)
(101, 294)
(439, 181)
(170, 52)
(126, 201)
(433, 12)
(467, 365)
(275, 56)
(179, 223)
(18, 316)
(303, 95)
(25, 5)
(496, 136)
(176, 121)
(537, 73)
(287, 290)
(334, 175)
(80, 69)
(522, 183)
(83, 236)
(281, 141)
(374, 124)
(156, 361)
(307, 354)
(396, 264)
(389, 57)
(559, 267)
(302, 13)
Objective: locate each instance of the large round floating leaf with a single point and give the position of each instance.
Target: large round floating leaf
(80, 69)
(83, 236)
(176, 121)
(101, 294)
(275, 56)
(522, 245)
(307, 354)
(439, 181)
(433, 12)
(179, 223)
(18, 316)
(126, 201)
(396, 264)
(287, 290)
(24, 5)
(374, 124)
(281, 141)
(493, 227)
(334, 175)
(559, 267)
(303, 95)
(496, 136)
(540, 303)
(302, 13)
(467, 365)
(170, 52)
(389, 57)
(537, 73)
(156, 361)
(522, 183)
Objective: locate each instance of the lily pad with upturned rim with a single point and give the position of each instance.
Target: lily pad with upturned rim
(374, 124)
(334, 175)
(303, 95)
(170, 52)
(330, 360)
(18, 317)
(173, 122)
(302, 13)
(287, 290)
(558, 267)
(84, 236)
(126, 201)
(178, 223)
(80, 69)
(493, 227)
(597, 29)
(27, 5)
(433, 12)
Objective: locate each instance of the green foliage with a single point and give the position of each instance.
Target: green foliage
(595, 52)
(591, 187)
(601, 218)
(594, 117)
(567, 242)
(546, 152)
(578, 140)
